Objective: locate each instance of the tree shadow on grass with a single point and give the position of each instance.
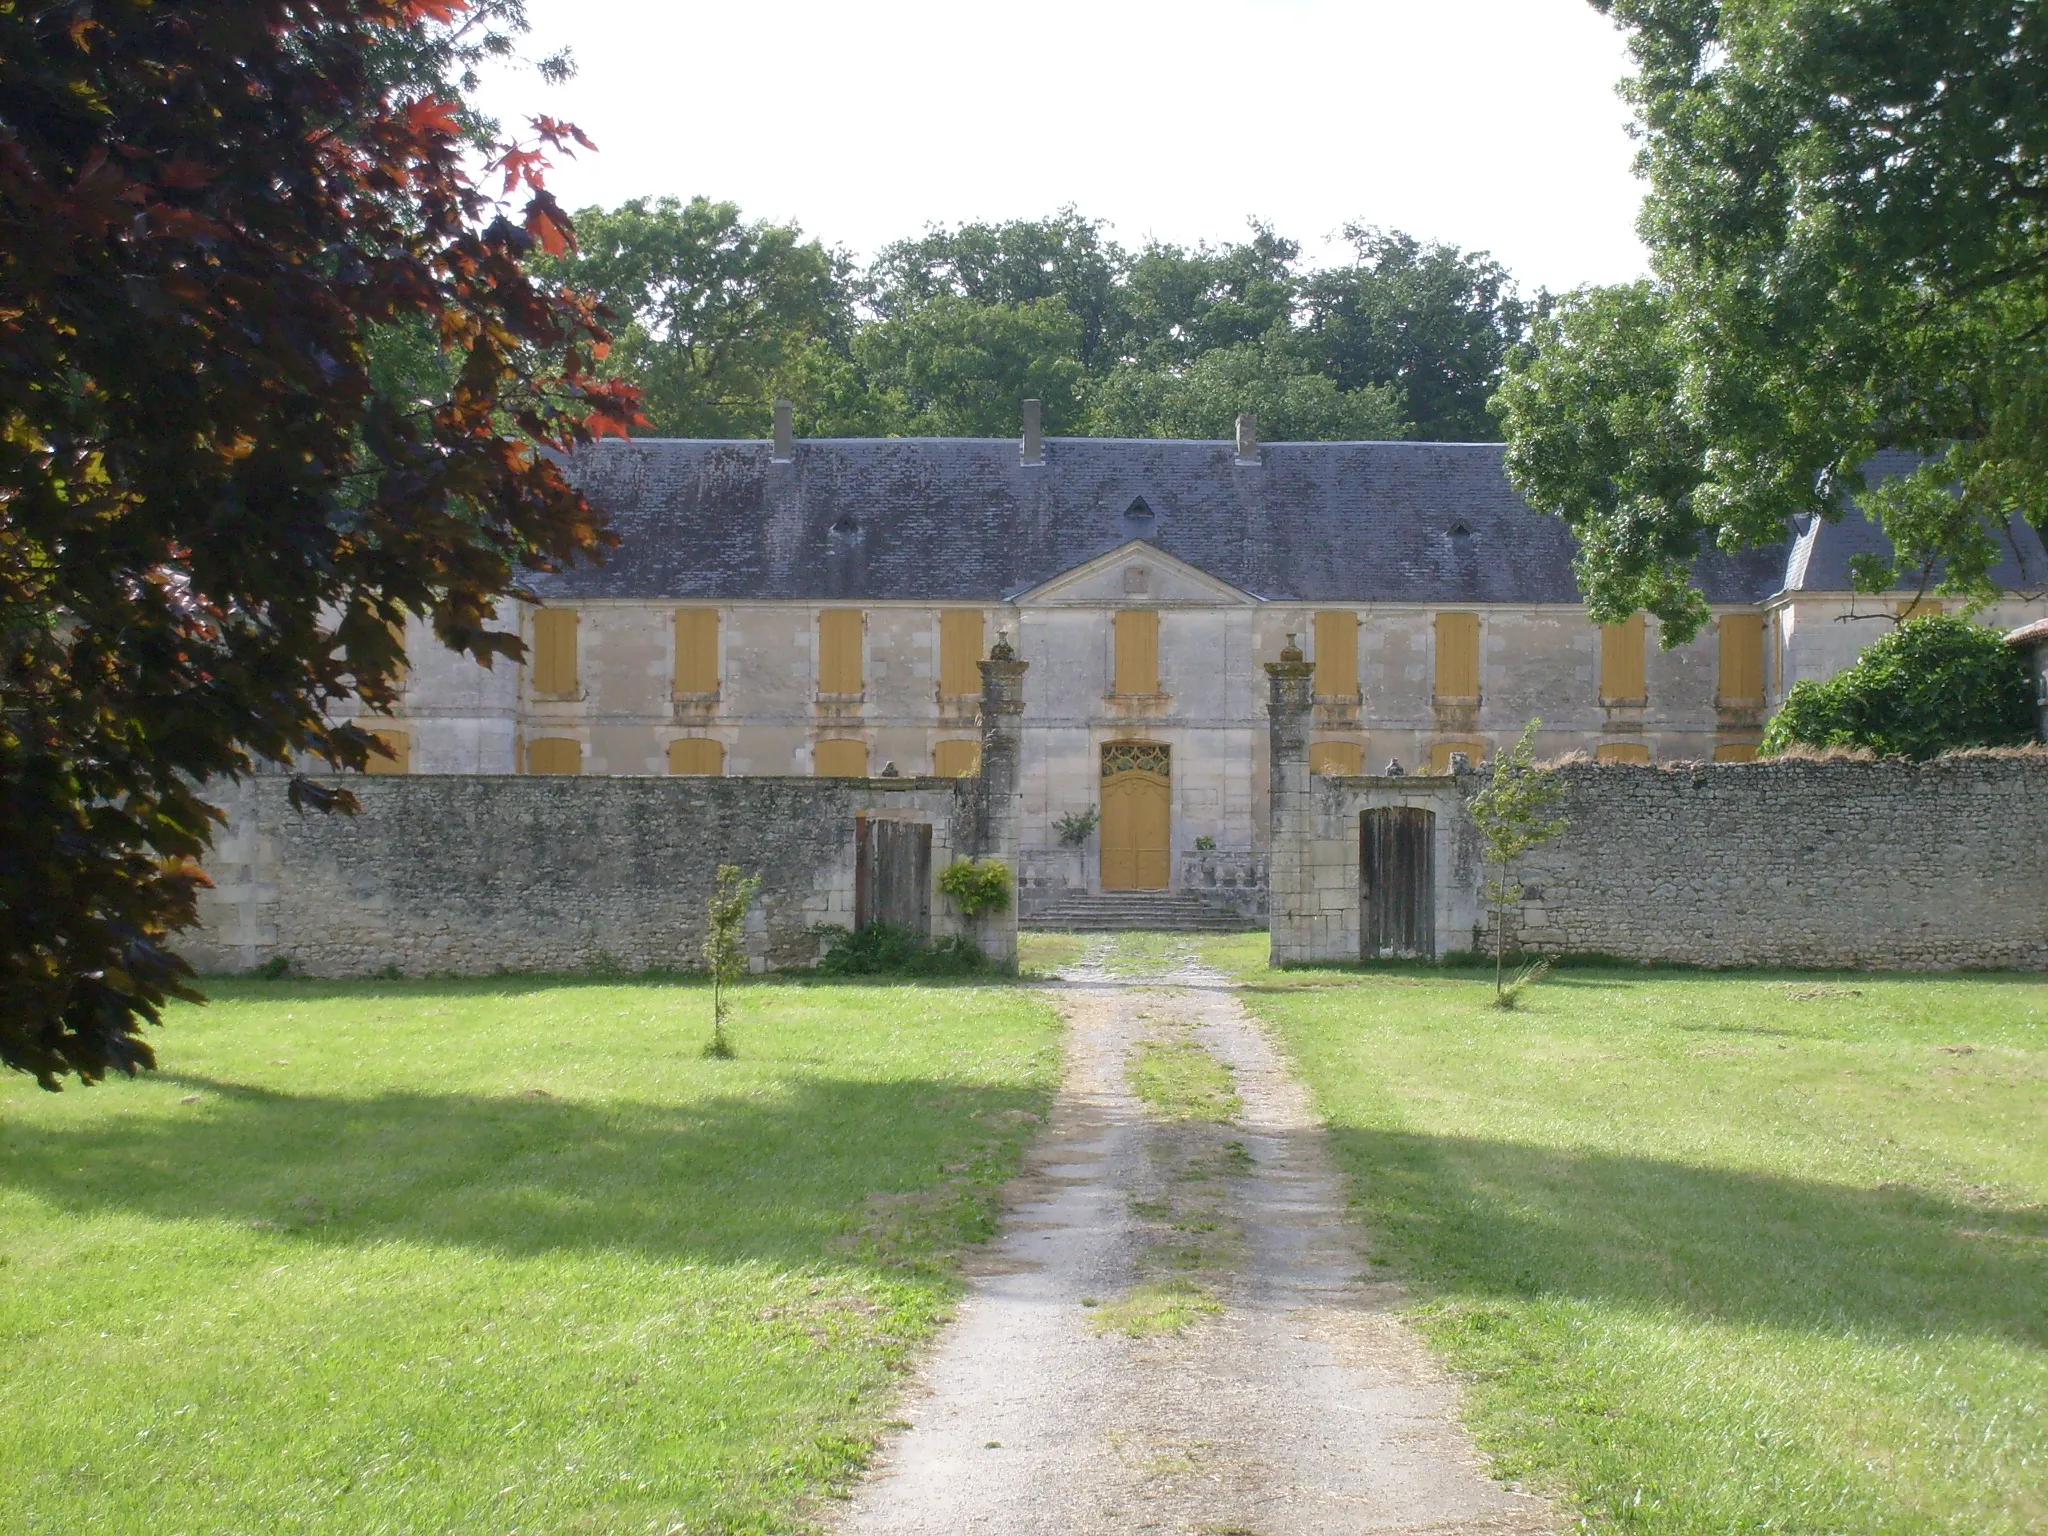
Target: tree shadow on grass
(1504, 1219)
(514, 984)
(898, 1170)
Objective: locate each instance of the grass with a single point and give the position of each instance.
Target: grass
(505, 1256)
(1040, 955)
(1139, 955)
(1715, 1253)
(1178, 1080)
(1155, 1308)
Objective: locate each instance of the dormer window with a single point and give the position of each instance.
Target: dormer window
(1461, 531)
(847, 527)
(1139, 507)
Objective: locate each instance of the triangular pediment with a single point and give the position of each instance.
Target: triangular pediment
(1135, 574)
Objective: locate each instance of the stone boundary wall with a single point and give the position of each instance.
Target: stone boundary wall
(1231, 880)
(1884, 866)
(1858, 865)
(460, 874)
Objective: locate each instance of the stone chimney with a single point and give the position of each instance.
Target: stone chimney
(1247, 437)
(785, 432)
(1034, 441)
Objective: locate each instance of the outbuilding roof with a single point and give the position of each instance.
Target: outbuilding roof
(964, 520)
(1819, 558)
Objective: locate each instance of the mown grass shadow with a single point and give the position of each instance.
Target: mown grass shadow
(1511, 1220)
(246, 987)
(789, 1177)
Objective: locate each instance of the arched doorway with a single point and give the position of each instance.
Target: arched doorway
(1137, 815)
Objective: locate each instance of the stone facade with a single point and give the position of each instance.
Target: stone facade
(800, 608)
(1793, 862)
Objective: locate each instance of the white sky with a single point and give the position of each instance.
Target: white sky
(1491, 124)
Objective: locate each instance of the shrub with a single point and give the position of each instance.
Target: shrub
(1932, 685)
(1074, 827)
(884, 949)
(977, 885)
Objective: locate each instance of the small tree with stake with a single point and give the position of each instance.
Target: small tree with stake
(1512, 815)
(725, 946)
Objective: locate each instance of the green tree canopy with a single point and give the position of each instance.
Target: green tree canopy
(1269, 376)
(1432, 320)
(948, 331)
(717, 317)
(953, 367)
(1931, 685)
(1846, 219)
(1019, 263)
(1181, 304)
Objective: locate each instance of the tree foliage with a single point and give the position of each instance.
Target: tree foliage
(1848, 218)
(725, 946)
(1269, 376)
(1430, 320)
(1934, 684)
(953, 367)
(1513, 816)
(977, 886)
(719, 317)
(945, 333)
(214, 506)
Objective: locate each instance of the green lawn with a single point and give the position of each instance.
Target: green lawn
(1717, 1254)
(505, 1256)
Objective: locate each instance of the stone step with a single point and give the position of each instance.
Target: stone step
(1137, 911)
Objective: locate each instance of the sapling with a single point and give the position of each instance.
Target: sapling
(725, 946)
(1512, 814)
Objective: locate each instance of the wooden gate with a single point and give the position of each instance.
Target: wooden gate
(1137, 815)
(1397, 883)
(892, 877)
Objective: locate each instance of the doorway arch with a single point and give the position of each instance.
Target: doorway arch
(1137, 815)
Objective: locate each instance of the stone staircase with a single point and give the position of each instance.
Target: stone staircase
(1137, 911)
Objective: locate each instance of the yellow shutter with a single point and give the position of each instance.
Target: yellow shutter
(841, 760)
(1337, 655)
(554, 651)
(1926, 607)
(1457, 655)
(1336, 757)
(696, 650)
(1621, 661)
(1735, 752)
(1137, 651)
(1622, 752)
(696, 754)
(1440, 754)
(839, 643)
(555, 754)
(959, 653)
(1742, 659)
(400, 747)
(957, 759)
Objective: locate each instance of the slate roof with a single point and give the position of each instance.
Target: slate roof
(1821, 551)
(961, 520)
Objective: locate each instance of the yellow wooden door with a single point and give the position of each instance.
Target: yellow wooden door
(1137, 817)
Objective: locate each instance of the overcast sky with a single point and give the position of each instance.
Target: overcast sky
(1491, 124)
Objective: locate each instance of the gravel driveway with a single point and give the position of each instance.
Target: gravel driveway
(1177, 1331)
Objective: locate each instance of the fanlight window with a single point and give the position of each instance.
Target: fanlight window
(1136, 757)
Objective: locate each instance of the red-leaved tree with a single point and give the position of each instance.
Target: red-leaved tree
(211, 512)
